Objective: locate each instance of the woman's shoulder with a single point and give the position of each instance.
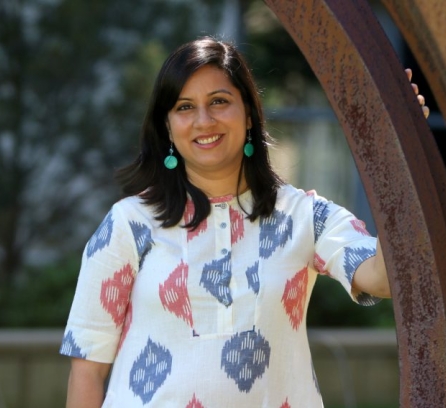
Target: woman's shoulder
(295, 199)
(291, 199)
(289, 192)
(133, 208)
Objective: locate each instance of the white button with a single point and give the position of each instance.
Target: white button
(223, 206)
(223, 225)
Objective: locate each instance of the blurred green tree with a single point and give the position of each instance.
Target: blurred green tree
(74, 81)
(75, 77)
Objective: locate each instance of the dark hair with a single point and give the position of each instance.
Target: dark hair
(167, 189)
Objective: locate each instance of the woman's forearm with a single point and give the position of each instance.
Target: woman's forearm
(371, 276)
(86, 384)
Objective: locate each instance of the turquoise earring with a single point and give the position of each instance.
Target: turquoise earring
(249, 148)
(171, 161)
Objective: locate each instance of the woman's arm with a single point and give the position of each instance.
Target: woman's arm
(86, 383)
(371, 276)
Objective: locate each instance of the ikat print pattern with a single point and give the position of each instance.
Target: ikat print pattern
(275, 231)
(245, 358)
(320, 214)
(237, 225)
(319, 265)
(359, 226)
(252, 274)
(353, 257)
(101, 238)
(285, 404)
(70, 348)
(150, 370)
(143, 239)
(127, 323)
(188, 215)
(294, 297)
(174, 295)
(194, 403)
(365, 299)
(115, 294)
(216, 277)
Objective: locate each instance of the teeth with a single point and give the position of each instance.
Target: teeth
(208, 140)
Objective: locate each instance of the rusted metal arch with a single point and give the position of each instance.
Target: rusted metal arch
(422, 24)
(399, 164)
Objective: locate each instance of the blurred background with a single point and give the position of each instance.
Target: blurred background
(75, 77)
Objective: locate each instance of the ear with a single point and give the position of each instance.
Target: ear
(248, 122)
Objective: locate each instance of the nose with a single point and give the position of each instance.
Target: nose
(203, 117)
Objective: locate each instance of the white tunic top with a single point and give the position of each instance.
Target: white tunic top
(214, 317)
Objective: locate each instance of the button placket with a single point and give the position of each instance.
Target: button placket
(222, 248)
(223, 232)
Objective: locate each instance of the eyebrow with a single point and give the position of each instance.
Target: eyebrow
(209, 94)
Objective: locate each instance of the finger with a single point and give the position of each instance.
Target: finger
(426, 111)
(421, 100)
(415, 88)
(408, 72)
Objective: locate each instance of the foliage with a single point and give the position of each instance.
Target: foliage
(278, 65)
(42, 298)
(75, 76)
(331, 306)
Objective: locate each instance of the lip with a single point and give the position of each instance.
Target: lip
(209, 140)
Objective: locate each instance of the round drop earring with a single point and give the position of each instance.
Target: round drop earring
(249, 148)
(171, 161)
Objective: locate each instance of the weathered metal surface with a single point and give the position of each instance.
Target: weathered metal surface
(422, 24)
(400, 167)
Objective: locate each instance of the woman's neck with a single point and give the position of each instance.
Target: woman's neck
(218, 185)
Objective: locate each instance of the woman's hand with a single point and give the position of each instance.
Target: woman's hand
(420, 98)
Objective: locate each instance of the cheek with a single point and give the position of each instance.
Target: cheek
(178, 126)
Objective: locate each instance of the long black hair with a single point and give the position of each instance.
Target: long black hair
(167, 189)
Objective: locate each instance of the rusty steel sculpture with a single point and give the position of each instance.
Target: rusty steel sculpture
(397, 158)
(422, 25)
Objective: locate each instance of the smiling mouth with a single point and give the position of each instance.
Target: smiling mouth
(208, 140)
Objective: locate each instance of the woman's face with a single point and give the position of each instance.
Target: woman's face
(208, 124)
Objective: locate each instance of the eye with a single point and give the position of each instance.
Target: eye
(184, 107)
(219, 101)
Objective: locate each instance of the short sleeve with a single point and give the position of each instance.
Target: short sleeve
(342, 243)
(109, 264)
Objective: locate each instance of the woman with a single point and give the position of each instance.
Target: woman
(196, 284)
